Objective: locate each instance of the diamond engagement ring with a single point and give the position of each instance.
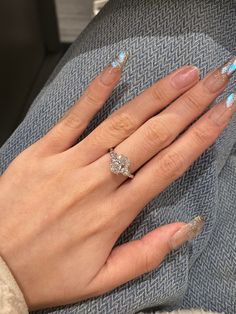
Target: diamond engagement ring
(119, 164)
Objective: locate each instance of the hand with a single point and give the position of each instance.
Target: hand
(62, 209)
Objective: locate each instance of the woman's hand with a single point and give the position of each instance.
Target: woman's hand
(62, 209)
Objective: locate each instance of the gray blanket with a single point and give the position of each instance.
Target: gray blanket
(160, 36)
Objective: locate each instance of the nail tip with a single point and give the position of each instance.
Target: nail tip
(120, 60)
(230, 100)
(195, 67)
(200, 218)
(228, 69)
(197, 225)
(188, 232)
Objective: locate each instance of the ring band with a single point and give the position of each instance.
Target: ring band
(120, 164)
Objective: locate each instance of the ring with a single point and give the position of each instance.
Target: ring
(120, 164)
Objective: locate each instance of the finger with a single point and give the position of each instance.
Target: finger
(161, 130)
(126, 120)
(173, 161)
(135, 258)
(67, 131)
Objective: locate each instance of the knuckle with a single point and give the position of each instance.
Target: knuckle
(172, 164)
(157, 132)
(54, 136)
(147, 263)
(200, 135)
(72, 120)
(122, 123)
(93, 98)
(158, 94)
(191, 102)
(97, 225)
(147, 258)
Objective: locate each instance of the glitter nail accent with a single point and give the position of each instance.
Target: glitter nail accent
(187, 233)
(231, 99)
(196, 226)
(120, 60)
(229, 68)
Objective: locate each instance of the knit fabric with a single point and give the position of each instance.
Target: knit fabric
(160, 36)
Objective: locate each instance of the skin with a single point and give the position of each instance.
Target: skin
(61, 208)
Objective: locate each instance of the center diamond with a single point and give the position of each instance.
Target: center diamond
(119, 164)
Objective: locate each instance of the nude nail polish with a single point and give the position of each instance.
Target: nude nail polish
(112, 72)
(187, 233)
(222, 113)
(185, 77)
(217, 79)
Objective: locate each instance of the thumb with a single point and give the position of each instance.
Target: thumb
(137, 257)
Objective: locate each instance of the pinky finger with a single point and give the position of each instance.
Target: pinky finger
(67, 131)
(135, 258)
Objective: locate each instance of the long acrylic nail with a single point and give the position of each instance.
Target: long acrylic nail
(120, 60)
(187, 233)
(217, 79)
(230, 100)
(229, 68)
(222, 113)
(114, 69)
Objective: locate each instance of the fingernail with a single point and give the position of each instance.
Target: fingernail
(230, 100)
(229, 68)
(222, 113)
(217, 79)
(112, 72)
(185, 77)
(187, 233)
(120, 60)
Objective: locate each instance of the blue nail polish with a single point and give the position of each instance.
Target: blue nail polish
(224, 70)
(232, 68)
(229, 68)
(120, 60)
(230, 100)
